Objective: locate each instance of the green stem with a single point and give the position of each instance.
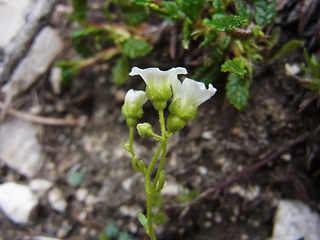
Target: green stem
(150, 191)
(131, 142)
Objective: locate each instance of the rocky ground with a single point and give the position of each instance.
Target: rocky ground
(65, 175)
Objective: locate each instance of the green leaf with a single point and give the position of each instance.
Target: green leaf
(265, 11)
(219, 6)
(133, 48)
(74, 179)
(111, 230)
(236, 65)
(135, 14)
(286, 48)
(143, 220)
(237, 90)
(120, 71)
(221, 22)
(242, 10)
(190, 9)
(79, 8)
(186, 196)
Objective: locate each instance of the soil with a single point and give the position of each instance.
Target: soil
(281, 123)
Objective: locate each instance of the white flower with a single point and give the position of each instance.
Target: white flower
(133, 102)
(158, 82)
(187, 96)
(191, 92)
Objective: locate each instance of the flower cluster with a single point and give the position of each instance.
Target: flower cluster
(160, 86)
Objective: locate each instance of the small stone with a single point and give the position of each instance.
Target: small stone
(20, 148)
(202, 170)
(56, 200)
(55, 80)
(91, 200)
(209, 214)
(17, 201)
(170, 189)
(292, 70)
(207, 224)
(244, 236)
(132, 227)
(40, 186)
(81, 194)
(207, 135)
(217, 217)
(286, 157)
(130, 211)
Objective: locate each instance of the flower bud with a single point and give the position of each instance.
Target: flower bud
(144, 129)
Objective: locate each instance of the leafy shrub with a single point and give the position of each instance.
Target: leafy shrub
(228, 32)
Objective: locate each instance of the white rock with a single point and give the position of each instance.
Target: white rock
(81, 194)
(12, 18)
(55, 80)
(40, 186)
(250, 193)
(170, 189)
(295, 220)
(17, 202)
(44, 238)
(130, 211)
(202, 170)
(56, 200)
(46, 47)
(20, 148)
(292, 70)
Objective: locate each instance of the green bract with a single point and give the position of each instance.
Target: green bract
(187, 96)
(144, 129)
(158, 83)
(132, 107)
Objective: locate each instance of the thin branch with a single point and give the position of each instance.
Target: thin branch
(43, 120)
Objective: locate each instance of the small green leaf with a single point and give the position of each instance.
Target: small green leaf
(162, 179)
(186, 196)
(79, 8)
(286, 48)
(135, 14)
(143, 220)
(133, 48)
(111, 230)
(237, 90)
(234, 66)
(120, 71)
(74, 179)
(265, 11)
(221, 22)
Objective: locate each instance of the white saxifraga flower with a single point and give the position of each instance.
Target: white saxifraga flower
(187, 96)
(158, 83)
(132, 107)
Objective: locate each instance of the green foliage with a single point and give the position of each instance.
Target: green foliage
(186, 196)
(237, 90)
(134, 48)
(75, 179)
(313, 69)
(120, 71)
(264, 11)
(160, 215)
(112, 232)
(236, 65)
(222, 22)
(286, 48)
(79, 9)
(222, 29)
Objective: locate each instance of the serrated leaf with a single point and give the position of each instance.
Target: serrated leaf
(133, 48)
(135, 14)
(265, 11)
(286, 48)
(190, 9)
(120, 71)
(221, 22)
(237, 90)
(235, 65)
